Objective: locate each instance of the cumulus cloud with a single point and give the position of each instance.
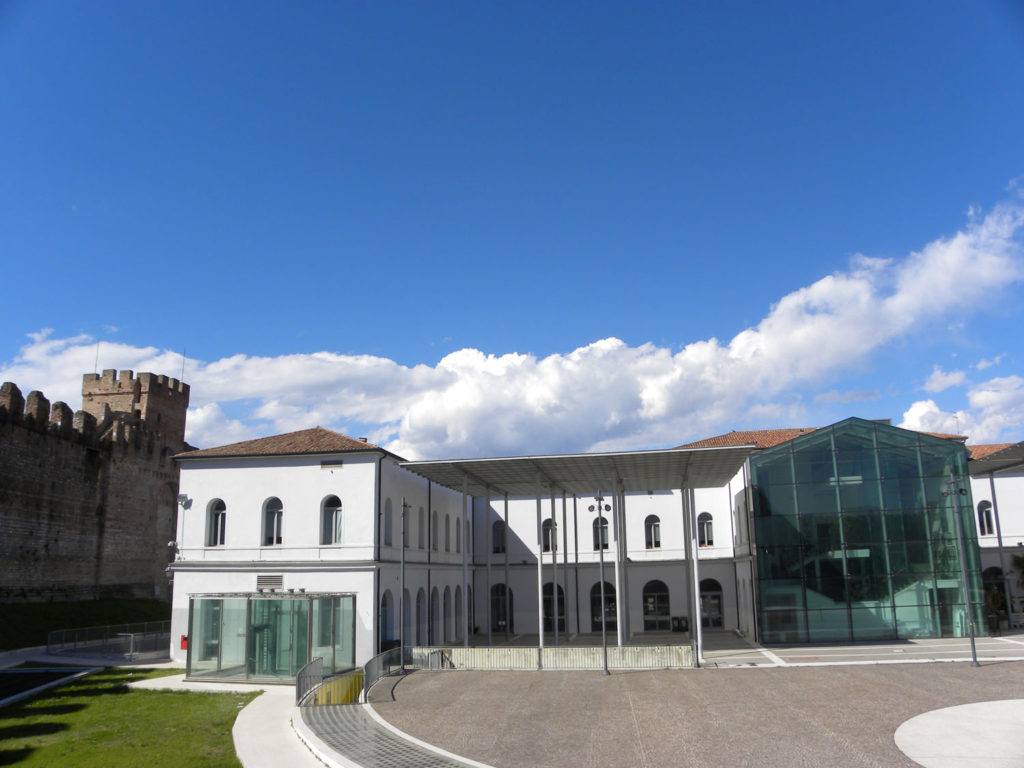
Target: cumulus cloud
(940, 380)
(603, 395)
(994, 414)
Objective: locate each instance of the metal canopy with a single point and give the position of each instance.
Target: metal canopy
(585, 473)
(1008, 458)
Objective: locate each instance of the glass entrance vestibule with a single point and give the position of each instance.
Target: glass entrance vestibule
(264, 637)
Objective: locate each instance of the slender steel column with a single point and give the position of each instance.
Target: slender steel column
(601, 508)
(618, 566)
(508, 587)
(540, 579)
(465, 568)
(627, 628)
(554, 568)
(699, 623)
(688, 570)
(401, 592)
(565, 565)
(488, 550)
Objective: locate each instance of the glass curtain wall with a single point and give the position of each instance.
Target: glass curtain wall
(269, 638)
(855, 536)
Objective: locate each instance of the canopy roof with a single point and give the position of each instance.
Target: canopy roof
(586, 473)
(999, 461)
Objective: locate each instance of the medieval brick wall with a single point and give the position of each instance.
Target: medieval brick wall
(88, 501)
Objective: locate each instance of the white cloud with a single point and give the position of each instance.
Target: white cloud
(604, 395)
(940, 380)
(982, 364)
(994, 415)
(926, 416)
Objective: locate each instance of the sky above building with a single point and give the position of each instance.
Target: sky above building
(488, 228)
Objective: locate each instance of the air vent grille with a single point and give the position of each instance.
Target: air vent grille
(274, 581)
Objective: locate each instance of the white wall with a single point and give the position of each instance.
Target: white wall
(301, 484)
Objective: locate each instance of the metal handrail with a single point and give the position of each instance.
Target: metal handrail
(380, 666)
(129, 639)
(308, 678)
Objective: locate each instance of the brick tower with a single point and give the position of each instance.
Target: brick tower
(158, 401)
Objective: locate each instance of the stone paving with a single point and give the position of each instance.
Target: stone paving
(772, 717)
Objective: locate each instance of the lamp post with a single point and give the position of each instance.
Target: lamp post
(956, 492)
(601, 508)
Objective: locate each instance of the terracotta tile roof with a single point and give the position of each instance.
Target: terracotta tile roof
(981, 451)
(315, 440)
(762, 438)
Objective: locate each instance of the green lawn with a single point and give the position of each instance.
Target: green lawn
(23, 625)
(98, 722)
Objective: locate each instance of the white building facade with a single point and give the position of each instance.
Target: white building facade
(291, 547)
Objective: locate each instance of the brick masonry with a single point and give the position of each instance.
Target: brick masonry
(88, 500)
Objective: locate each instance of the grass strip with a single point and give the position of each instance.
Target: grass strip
(99, 722)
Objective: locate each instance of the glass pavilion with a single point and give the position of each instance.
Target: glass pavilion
(855, 536)
(250, 637)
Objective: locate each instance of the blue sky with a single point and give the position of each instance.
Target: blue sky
(485, 228)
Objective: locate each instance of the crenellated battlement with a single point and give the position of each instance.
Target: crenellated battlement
(88, 497)
(159, 401)
(117, 410)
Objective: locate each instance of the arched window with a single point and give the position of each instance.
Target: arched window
(705, 530)
(710, 603)
(547, 608)
(216, 523)
(600, 533)
(447, 634)
(273, 513)
(421, 528)
(985, 527)
(433, 532)
(421, 617)
(407, 628)
(498, 537)
(330, 521)
(387, 625)
(656, 611)
(435, 618)
(387, 522)
(652, 532)
(547, 535)
(458, 537)
(447, 534)
(501, 609)
(609, 608)
(458, 613)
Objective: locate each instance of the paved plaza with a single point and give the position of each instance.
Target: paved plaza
(779, 716)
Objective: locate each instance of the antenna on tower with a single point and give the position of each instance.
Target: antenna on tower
(96, 363)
